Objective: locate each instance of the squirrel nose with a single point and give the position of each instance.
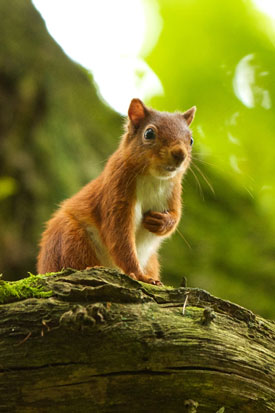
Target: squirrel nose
(178, 156)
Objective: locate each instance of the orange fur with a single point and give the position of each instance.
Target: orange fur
(100, 225)
(152, 268)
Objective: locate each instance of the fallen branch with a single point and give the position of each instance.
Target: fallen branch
(98, 341)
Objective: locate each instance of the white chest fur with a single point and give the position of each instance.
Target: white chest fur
(151, 194)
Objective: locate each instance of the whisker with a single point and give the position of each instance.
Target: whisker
(230, 172)
(184, 239)
(101, 161)
(204, 177)
(204, 162)
(250, 193)
(198, 182)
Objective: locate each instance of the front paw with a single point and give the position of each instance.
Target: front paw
(159, 223)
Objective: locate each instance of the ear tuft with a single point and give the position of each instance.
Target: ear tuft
(137, 111)
(189, 115)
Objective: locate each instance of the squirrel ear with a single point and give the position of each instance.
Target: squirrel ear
(137, 111)
(189, 115)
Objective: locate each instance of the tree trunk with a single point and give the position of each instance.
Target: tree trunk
(102, 342)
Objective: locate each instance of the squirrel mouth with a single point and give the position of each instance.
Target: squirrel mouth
(169, 168)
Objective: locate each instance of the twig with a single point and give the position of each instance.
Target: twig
(185, 302)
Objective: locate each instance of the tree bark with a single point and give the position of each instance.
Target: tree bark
(102, 342)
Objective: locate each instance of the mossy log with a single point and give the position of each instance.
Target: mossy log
(98, 341)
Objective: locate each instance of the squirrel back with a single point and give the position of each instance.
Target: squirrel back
(120, 218)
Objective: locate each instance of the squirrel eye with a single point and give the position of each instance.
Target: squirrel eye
(191, 141)
(149, 134)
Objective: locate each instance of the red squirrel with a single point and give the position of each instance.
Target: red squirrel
(119, 219)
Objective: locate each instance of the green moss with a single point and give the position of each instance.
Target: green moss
(154, 288)
(26, 288)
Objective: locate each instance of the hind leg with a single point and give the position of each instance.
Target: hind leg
(78, 250)
(65, 244)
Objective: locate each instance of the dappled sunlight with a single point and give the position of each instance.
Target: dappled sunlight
(267, 10)
(233, 139)
(111, 40)
(130, 77)
(266, 6)
(247, 80)
(234, 162)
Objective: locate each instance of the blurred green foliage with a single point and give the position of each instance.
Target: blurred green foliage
(208, 54)
(55, 134)
(8, 187)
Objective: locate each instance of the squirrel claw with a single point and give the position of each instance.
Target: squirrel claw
(145, 279)
(132, 275)
(155, 282)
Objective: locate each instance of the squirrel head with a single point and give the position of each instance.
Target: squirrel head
(161, 142)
